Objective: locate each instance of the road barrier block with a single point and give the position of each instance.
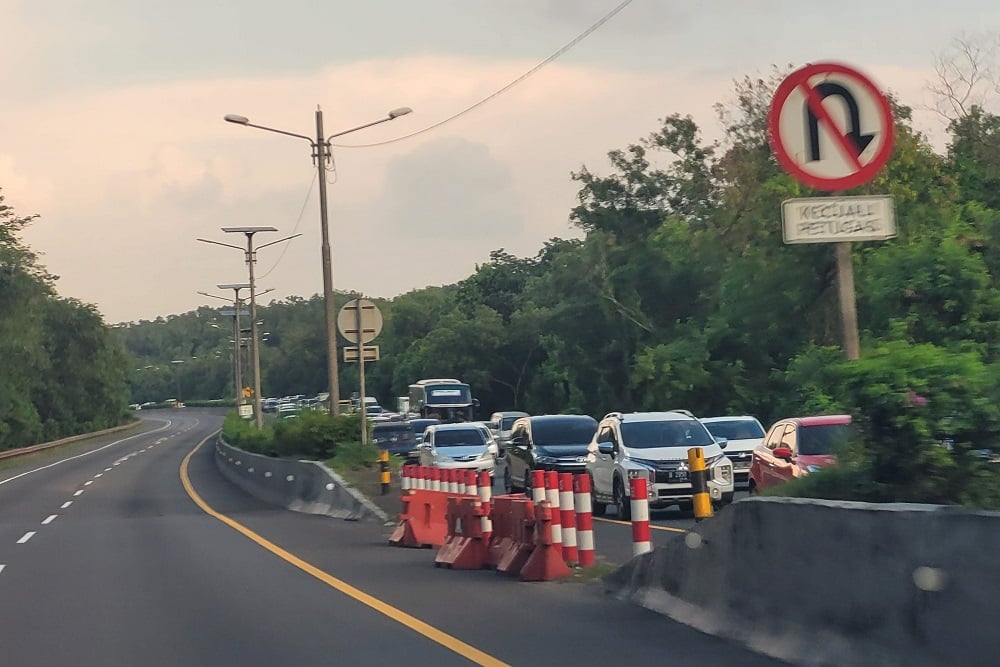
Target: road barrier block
(521, 542)
(546, 561)
(464, 547)
(422, 523)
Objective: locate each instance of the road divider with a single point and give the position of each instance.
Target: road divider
(839, 583)
(301, 486)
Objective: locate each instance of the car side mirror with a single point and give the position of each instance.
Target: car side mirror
(605, 448)
(784, 453)
(424, 446)
(722, 442)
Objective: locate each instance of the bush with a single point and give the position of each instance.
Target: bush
(921, 411)
(311, 435)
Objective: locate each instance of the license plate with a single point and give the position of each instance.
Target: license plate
(741, 465)
(677, 477)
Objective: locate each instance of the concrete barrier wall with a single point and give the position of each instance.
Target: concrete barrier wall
(833, 583)
(301, 486)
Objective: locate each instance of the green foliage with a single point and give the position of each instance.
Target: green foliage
(310, 435)
(907, 400)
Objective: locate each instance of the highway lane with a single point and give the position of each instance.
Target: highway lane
(516, 623)
(134, 573)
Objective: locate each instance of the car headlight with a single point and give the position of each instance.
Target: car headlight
(641, 473)
(725, 473)
(547, 460)
(812, 468)
(486, 455)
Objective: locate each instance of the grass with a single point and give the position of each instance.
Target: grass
(589, 575)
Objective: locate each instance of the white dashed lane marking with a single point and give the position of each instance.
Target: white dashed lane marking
(2, 567)
(49, 519)
(100, 474)
(78, 493)
(66, 504)
(27, 536)
(107, 470)
(88, 482)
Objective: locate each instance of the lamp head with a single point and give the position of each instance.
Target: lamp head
(236, 118)
(401, 111)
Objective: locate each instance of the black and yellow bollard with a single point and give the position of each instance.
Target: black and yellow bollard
(699, 484)
(383, 459)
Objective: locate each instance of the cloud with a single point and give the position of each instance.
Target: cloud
(480, 200)
(134, 174)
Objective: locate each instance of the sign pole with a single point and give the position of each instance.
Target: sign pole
(361, 371)
(848, 303)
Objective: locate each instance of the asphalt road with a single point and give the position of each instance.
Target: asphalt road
(106, 559)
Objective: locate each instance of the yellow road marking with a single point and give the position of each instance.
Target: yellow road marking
(430, 632)
(652, 526)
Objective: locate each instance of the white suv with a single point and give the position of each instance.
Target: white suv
(653, 445)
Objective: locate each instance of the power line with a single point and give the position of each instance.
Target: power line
(295, 229)
(569, 45)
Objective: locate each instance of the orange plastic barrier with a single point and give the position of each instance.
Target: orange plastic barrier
(546, 562)
(465, 547)
(521, 542)
(422, 522)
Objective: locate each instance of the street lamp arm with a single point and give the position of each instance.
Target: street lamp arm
(287, 238)
(221, 298)
(360, 127)
(228, 245)
(241, 120)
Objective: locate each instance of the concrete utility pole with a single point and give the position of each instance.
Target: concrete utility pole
(321, 154)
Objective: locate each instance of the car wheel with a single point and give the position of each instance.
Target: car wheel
(508, 484)
(622, 502)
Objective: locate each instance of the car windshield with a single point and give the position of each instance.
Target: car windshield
(667, 433)
(387, 432)
(735, 429)
(822, 438)
(507, 422)
(563, 432)
(465, 437)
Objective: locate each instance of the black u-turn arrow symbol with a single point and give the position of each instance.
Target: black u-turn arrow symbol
(858, 140)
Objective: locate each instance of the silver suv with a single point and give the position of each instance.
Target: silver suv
(653, 445)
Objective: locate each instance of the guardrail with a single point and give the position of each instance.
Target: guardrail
(22, 451)
(832, 583)
(300, 486)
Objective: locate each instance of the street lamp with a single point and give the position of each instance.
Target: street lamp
(237, 307)
(251, 259)
(177, 376)
(321, 155)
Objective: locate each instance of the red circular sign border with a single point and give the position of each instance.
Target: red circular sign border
(866, 173)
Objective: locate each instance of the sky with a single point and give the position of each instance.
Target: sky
(113, 111)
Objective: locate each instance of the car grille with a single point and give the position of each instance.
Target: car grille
(740, 460)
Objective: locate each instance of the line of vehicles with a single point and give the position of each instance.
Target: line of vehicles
(439, 431)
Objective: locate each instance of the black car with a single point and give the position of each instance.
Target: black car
(546, 442)
(396, 437)
(420, 425)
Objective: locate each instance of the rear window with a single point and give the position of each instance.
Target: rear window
(459, 437)
(822, 438)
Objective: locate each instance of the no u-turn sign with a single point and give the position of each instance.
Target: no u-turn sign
(830, 126)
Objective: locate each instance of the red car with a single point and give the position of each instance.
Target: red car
(795, 447)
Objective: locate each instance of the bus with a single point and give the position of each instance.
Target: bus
(446, 399)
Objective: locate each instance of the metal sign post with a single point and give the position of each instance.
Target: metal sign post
(360, 322)
(831, 128)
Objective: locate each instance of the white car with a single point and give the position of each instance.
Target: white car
(742, 435)
(465, 446)
(653, 445)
